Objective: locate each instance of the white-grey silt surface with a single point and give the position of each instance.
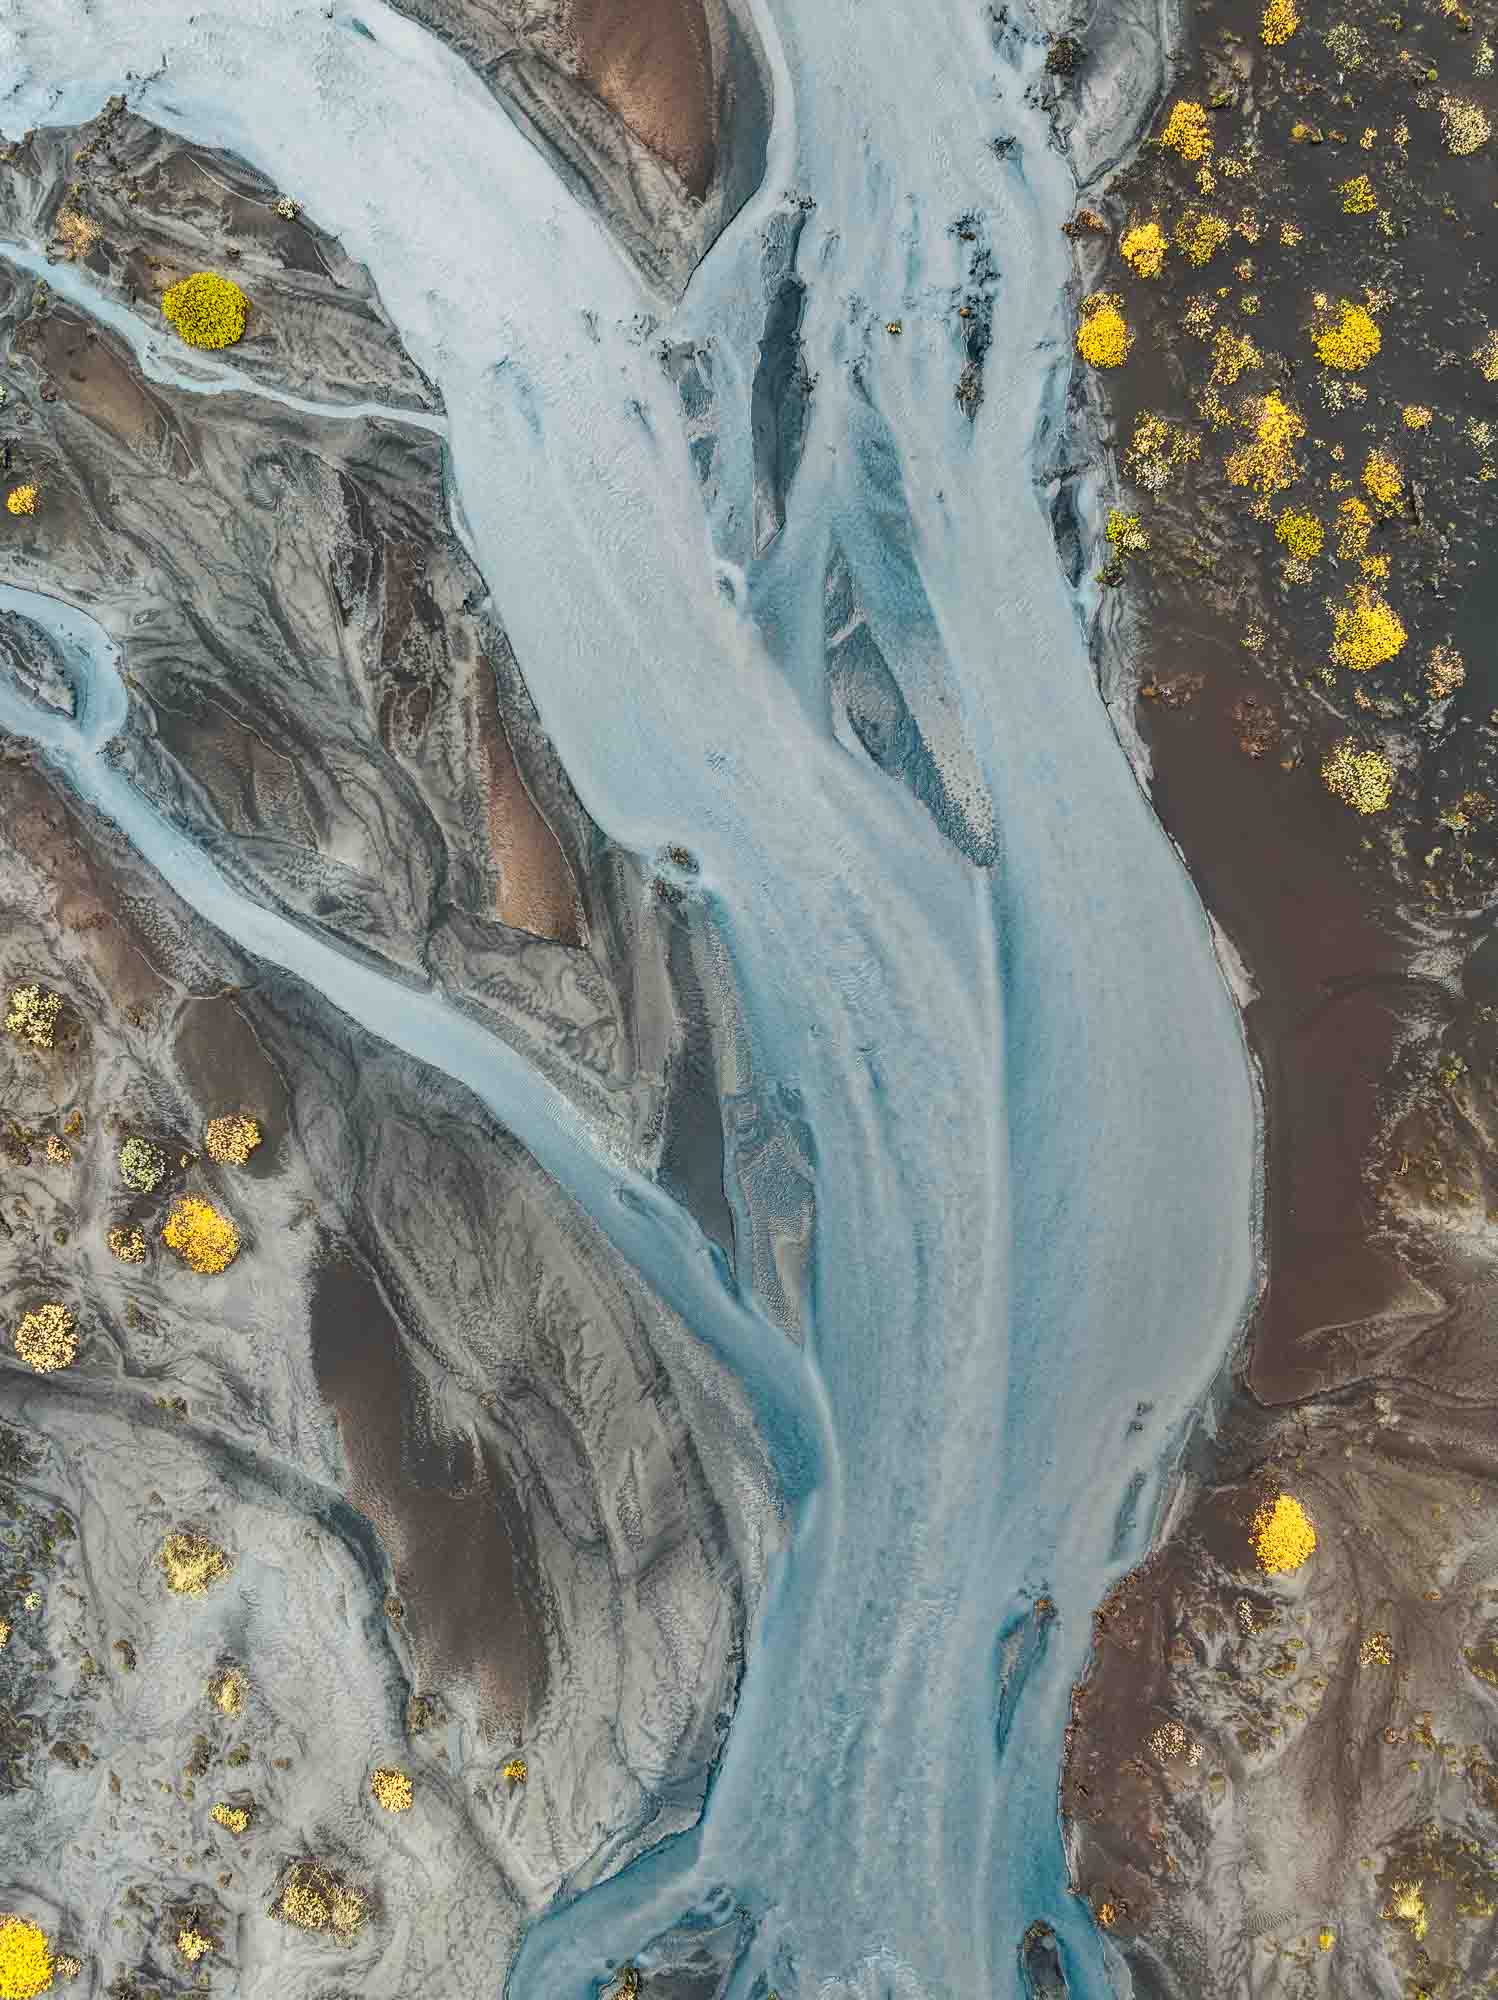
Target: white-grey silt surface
(1027, 1102)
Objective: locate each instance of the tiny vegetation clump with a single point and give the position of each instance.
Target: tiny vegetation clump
(1282, 1535)
(206, 310)
(1301, 533)
(1416, 416)
(31, 1015)
(1445, 670)
(191, 1563)
(1279, 22)
(142, 1165)
(516, 1771)
(1362, 779)
(129, 1245)
(1188, 130)
(1158, 450)
(1382, 479)
(1486, 356)
(22, 499)
(1464, 126)
(193, 1943)
(1232, 354)
(1267, 462)
(391, 1788)
(1357, 195)
(1103, 338)
(26, 1964)
(1200, 235)
(1143, 249)
(77, 232)
(227, 1690)
(235, 1818)
(231, 1140)
(1126, 533)
(205, 1239)
(1366, 631)
(47, 1338)
(313, 1898)
(1350, 339)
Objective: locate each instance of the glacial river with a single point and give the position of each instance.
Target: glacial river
(1026, 1086)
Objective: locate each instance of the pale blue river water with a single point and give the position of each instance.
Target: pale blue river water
(1026, 1086)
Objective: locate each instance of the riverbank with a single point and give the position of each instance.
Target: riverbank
(1219, 1696)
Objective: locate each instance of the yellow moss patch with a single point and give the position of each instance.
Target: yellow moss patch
(31, 1015)
(1350, 339)
(313, 1898)
(22, 499)
(235, 1818)
(1188, 130)
(25, 1959)
(1279, 22)
(191, 1563)
(204, 1239)
(231, 1140)
(206, 310)
(47, 1338)
(1103, 338)
(1366, 631)
(1382, 478)
(1302, 534)
(227, 1690)
(391, 1789)
(1267, 462)
(1282, 1535)
(1143, 249)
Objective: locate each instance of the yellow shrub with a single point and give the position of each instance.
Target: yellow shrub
(204, 1239)
(190, 1563)
(1143, 249)
(1382, 479)
(1302, 534)
(392, 1789)
(227, 1690)
(25, 1959)
(1466, 126)
(1188, 130)
(206, 310)
(235, 1819)
(1445, 671)
(515, 1772)
(1354, 525)
(1366, 631)
(1417, 416)
(22, 499)
(1279, 23)
(1282, 1535)
(31, 1015)
(231, 1140)
(1267, 461)
(1125, 533)
(47, 1338)
(1103, 338)
(1357, 195)
(1350, 340)
(1200, 234)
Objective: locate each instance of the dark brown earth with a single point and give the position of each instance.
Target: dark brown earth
(1279, 1784)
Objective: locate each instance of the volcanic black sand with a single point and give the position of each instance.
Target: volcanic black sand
(1277, 1779)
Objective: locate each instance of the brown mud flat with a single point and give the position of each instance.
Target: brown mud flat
(1278, 1782)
